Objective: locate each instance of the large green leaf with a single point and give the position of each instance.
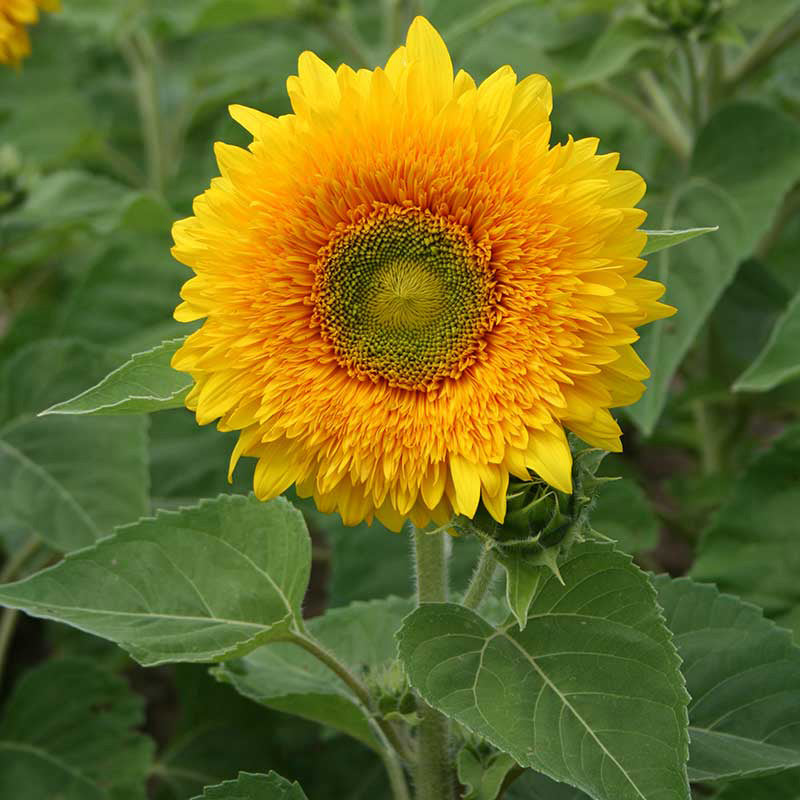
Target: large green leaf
(52, 80)
(202, 584)
(68, 731)
(785, 786)
(750, 547)
(221, 13)
(745, 160)
(75, 198)
(741, 324)
(250, 786)
(220, 733)
(535, 786)
(131, 286)
(624, 513)
(189, 461)
(743, 675)
(145, 382)
(288, 679)
(217, 733)
(69, 480)
(779, 361)
(590, 693)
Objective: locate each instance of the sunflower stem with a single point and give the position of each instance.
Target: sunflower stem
(481, 579)
(140, 53)
(695, 85)
(435, 779)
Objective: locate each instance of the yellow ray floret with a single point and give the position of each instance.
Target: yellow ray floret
(409, 294)
(15, 15)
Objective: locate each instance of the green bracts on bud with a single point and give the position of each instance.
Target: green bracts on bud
(541, 523)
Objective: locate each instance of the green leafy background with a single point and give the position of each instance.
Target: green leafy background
(105, 137)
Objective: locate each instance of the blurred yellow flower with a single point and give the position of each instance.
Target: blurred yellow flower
(14, 16)
(409, 294)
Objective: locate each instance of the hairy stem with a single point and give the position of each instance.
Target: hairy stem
(481, 579)
(435, 780)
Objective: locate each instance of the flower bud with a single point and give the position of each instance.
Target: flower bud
(542, 521)
(682, 16)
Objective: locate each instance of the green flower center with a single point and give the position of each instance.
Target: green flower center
(404, 296)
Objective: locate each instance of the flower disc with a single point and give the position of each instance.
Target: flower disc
(409, 294)
(404, 296)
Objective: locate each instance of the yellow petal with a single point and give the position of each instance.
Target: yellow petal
(467, 485)
(318, 81)
(426, 46)
(550, 458)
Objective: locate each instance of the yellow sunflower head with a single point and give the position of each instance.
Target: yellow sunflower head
(14, 16)
(409, 294)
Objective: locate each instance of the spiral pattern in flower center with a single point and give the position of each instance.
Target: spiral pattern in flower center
(405, 296)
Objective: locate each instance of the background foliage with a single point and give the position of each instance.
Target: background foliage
(105, 138)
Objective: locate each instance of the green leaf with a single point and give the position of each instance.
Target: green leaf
(68, 731)
(208, 714)
(623, 513)
(69, 480)
(743, 674)
(289, 679)
(131, 287)
(202, 584)
(779, 361)
(145, 382)
(54, 80)
(745, 160)
(482, 774)
(614, 50)
(249, 786)
(189, 461)
(661, 240)
(590, 693)
(75, 198)
(742, 322)
(522, 578)
(535, 786)
(221, 13)
(785, 786)
(750, 547)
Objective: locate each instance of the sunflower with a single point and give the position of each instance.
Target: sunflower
(14, 16)
(409, 294)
